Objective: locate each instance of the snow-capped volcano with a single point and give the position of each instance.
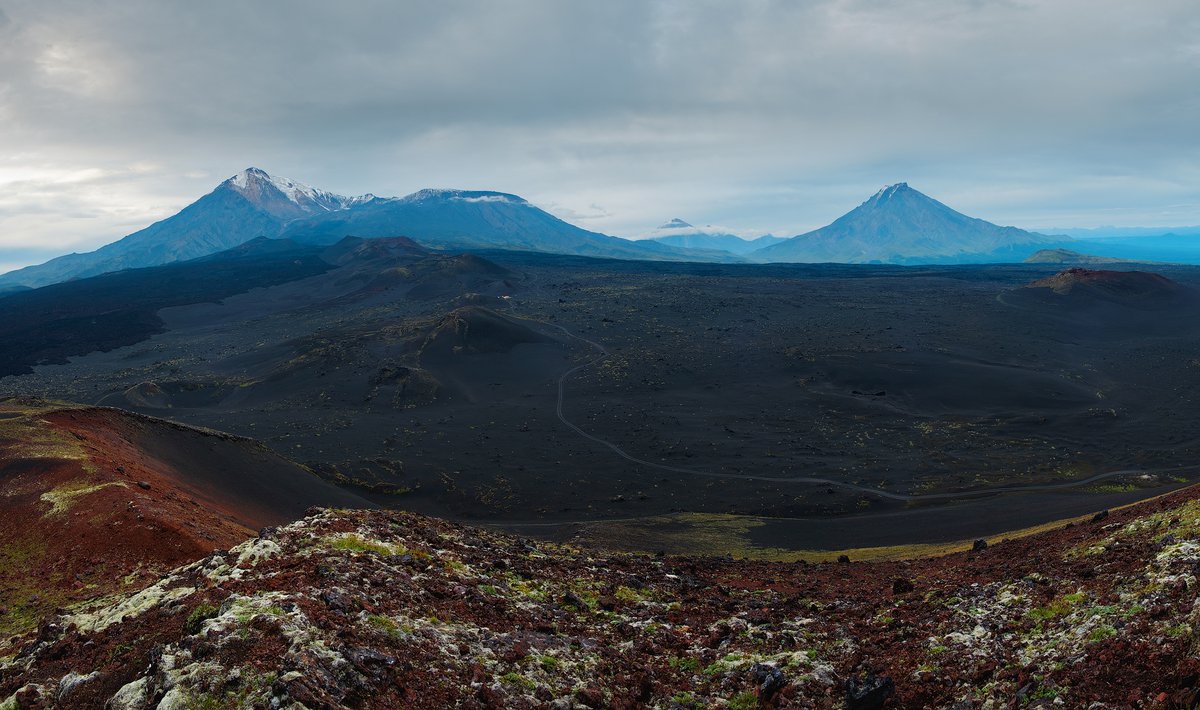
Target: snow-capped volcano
(430, 194)
(254, 203)
(251, 204)
(264, 189)
(901, 225)
(448, 218)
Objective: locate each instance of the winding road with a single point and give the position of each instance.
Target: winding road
(954, 495)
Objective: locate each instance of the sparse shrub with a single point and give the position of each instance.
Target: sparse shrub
(1104, 631)
(518, 680)
(202, 613)
(688, 665)
(383, 623)
(356, 543)
(627, 595)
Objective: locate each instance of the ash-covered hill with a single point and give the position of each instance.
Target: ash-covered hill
(1112, 295)
(1066, 256)
(99, 313)
(353, 609)
(1114, 285)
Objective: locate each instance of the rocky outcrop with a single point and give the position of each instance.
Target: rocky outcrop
(370, 609)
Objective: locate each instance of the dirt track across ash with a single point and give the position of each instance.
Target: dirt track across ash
(876, 399)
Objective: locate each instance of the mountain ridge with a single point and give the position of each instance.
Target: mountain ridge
(254, 203)
(678, 233)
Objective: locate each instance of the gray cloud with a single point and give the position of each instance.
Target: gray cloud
(775, 116)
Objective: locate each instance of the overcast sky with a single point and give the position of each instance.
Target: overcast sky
(616, 114)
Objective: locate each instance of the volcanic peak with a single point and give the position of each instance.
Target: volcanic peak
(888, 192)
(254, 182)
(450, 195)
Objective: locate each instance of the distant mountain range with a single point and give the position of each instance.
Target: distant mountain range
(1128, 232)
(253, 204)
(464, 219)
(897, 225)
(678, 233)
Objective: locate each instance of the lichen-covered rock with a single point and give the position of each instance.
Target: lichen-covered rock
(362, 609)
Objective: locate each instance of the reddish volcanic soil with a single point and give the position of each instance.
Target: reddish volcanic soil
(95, 501)
(356, 609)
(1121, 285)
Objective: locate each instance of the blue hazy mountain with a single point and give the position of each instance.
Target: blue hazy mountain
(900, 225)
(1180, 246)
(247, 205)
(1128, 232)
(255, 204)
(678, 233)
(466, 219)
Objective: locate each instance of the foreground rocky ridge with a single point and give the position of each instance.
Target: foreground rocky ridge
(387, 609)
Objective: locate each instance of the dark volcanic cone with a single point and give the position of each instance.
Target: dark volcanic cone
(474, 329)
(1129, 288)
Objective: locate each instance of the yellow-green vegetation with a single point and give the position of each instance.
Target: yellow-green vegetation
(358, 543)
(1182, 522)
(691, 533)
(722, 534)
(203, 612)
(1112, 487)
(717, 534)
(518, 680)
(25, 434)
(687, 665)
(25, 600)
(62, 498)
(1060, 606)
(384, 624)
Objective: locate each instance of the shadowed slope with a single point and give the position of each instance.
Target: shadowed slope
(93, 500)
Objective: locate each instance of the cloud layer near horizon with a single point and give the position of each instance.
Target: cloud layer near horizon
(770, 116)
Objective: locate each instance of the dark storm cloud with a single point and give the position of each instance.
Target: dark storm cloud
(772, 115)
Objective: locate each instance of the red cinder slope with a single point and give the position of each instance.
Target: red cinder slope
(96, 501)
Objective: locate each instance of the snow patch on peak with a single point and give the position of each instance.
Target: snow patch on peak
(676, 223)
(889, 191)
(463, 196)
(256, 180)
(244, 179)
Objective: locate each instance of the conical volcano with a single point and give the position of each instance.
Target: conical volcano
(901, 225)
